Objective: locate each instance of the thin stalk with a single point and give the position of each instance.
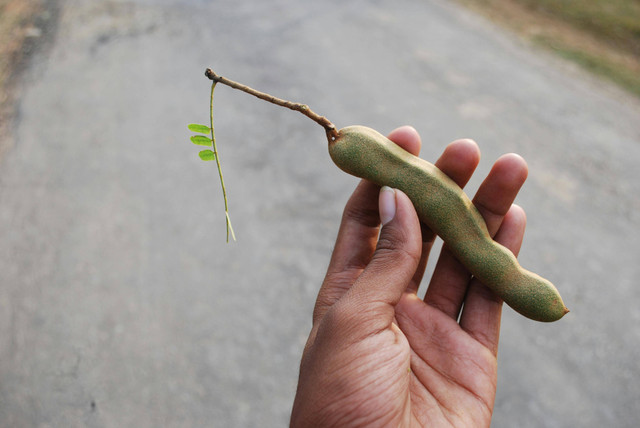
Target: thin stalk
(217, 158)
(329, 127)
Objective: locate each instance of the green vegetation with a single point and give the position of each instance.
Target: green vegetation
(622, 76)
(603, 36)
(614, 21)
(212, 155)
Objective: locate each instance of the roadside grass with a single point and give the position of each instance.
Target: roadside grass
(625, 77)
(16, 18)
(616, 21)
(16, 26)
(602, 36)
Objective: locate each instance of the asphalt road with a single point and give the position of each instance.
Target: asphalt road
(122, 306)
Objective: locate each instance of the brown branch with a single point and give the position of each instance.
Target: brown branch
(332, 132)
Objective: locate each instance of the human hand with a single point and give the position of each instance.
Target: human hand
(377, 354)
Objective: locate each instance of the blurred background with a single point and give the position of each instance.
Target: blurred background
(121, 305)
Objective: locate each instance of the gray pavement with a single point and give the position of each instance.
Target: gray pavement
(120, 303)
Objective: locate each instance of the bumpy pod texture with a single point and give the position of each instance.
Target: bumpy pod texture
(445, 208)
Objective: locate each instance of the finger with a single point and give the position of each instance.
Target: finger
(450, 279)
(459, 159)
(482, 308)
(358, 232)
(407, 138)
(380, 286)
(498, 191)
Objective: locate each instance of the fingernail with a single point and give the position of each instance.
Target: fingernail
(387, 204)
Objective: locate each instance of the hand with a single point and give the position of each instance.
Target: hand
(377, 354)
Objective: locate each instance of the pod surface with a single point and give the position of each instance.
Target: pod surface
(443, 206)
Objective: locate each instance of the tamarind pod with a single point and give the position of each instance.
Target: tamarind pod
(444, 207)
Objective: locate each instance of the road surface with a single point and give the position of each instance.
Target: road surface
(122, 306)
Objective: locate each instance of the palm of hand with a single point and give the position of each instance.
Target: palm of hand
(424, 373)
(453, 378)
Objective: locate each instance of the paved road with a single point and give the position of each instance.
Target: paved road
(120, 304)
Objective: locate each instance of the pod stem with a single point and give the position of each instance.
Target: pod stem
(217, 158)
(330, 128)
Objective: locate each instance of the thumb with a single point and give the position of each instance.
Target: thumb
(396, 257)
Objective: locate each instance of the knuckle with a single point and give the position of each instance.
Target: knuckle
(397, 249)
(361, 215)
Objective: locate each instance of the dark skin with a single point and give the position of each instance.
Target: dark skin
(377, 354)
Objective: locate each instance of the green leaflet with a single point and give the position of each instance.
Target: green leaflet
(202, 129)
(207, 155)
(211, 155)
(201, 140)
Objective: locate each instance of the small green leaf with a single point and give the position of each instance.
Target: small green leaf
(201, 140)
(207, 155)
(202, 129)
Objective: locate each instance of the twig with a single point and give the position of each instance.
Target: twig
(329, 127)
(217, 158)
